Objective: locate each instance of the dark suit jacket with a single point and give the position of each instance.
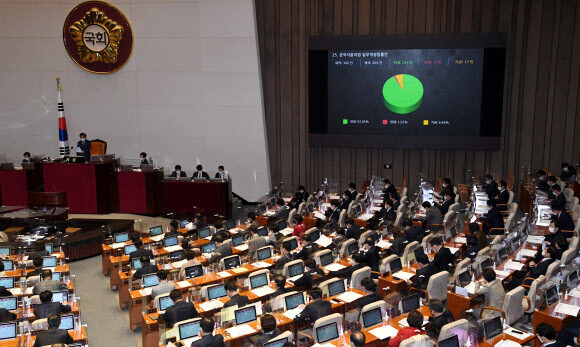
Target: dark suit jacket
(86, 148)
(560, 201)
(391, 190)
(438, 322)
(353, 232)
(471, 252)
(353, 195)
(368, 299)
(445, 206)
(171, 233)
(144, 161)
(140, 252)
(347, 271)
(219, 175)
(210, 341)
(398, 245)
(225, 250)
(493, 219)
(52, 336)
(566, 222)
(414, 233)
(202, 174)
(315, 310)
(47, 308)
(281, 291)
(433, 216)
(442, 260)
(30, 160)
(491, 189)
(282, 213)
(503, 198)
(179, 312)
(307, 279)
(145, 270)
(37, 254)
(307, 251)
(372, 258)
(262, 337)
(422, 276)
(240, 300)
(332, 215)
(6, 316)
(286, 258)
(540, 268)
(181, 174)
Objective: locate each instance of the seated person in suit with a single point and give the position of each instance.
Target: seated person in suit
(252, 220)
(27, 158)
(39, 252)
(299, 228)
(357, 339)
(200, 220)
(221, 174)
(352, 191)
(473, 249)
(492, 290)
(443, 257)
(503, 196)
(317, 308)
(143, 158)
(449, 200)
(299, 197)
(178, 173)
(208, 339)
(307, 279)
(415, 322)
(47, 283)
(282, 211)
(369, 287)
(345, 201)
(333, 213)
(399, 241)
(476, 231)
(139, 251)
(412, 233)
(535, 270)
(395, 199)
(490, 187)
(286, 256)
(174, 224)
(85, 147)
(423, 273)
(256, 242)
(371, 254)
(387, 211)
(47, 307)
(199, 173)
(446, 186)
(547, 336)
(191, 261)
(235, 298)
(309, 248)
(53, 334)
(352, 230)
(222, 250)
(564, 220)
(568, 174)
(432, 215)
(347, 271)
(493, 219)
(543, 184)
(146, 268)
(339, 239)
(221, 231)
(276, 237)
(164, 286)
(439, 317)
(268, 330)
(37, 262)
(555, 233)
(280, 283)
(180, 310)
(551, 182)
(6, 316)
(390, 189)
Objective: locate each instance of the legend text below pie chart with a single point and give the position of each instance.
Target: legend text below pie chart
(403, 93)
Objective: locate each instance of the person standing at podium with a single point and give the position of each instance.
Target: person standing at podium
(222, 173)
(85, 147)
(200, 173)
(27, 158)
(143, 157)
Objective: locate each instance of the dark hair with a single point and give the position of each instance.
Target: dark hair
(415, 319)
(564, 164)
(174, 224)
(82, 134)
(368, 284)
(370, 241)
(177, 167)
(231, 286)
(357, 257)
(175, 295)
(47, 273)
(219, 239)
(436, 241)
(310, 263)
(488, 176)
(552, 179)
(407, 222)
(307, 237)
(221, 167)
(357, 338)
(37, 262)
(557, 187)
(298, 218)
(46, 296)
(426, 204)
(552, 250)
(143, 154)
(316, 293)
(334, 203)
(386, 181)
(280, 281)
(489, 274)
(447, 180)
(280, 202)
(207, 324)
(53, 320)
(503, 183)
(422, 258)
(546, 330)
(189, 254)
(199, 167)
(162, 274)
(352, 185)
(301, 188)
(473, 227)
(436, 305)
(26, 154)
(138, 243)
(268, 323)
(287, 245)
(252, 215)
(349, 220)
(541, 173)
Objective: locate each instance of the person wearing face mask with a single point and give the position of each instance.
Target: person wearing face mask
(390, 189)
(443, 257)
(568, 173)
(503, 196)
(446, 186)
(178, 173)
(535, 270)
(352, 190)
(27, 158)
(222, 173)
(200, 173)
(543, 181)
(551, 183)
(555, 233)
(85, 147)
(491, 188)
(449, 200)
(547, 336)
(143, 157)
(559, 199)
(346, 200)
(493, 219)
(565, 221)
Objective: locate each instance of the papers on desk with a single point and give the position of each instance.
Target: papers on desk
(323, 241)
(334, 197)
(385, 332)
(293, 279)
(178, 264)
(403, 275)
(207, 238)
(328, 344)
(349, 296)
(269, 213)
(239, 270)
(507, 343)
(460, 239)
(157, 238)
(287, 200)
(211, 305)
(520, 335)
(146, 291)
(470, 288)
(18, 291)
(378, 201)
(570, 310)
(527, 253)
(461, 291)
(403, 322)
(291, 314)
(287, 231)
(241, 330)
(261, 264)
(375, 208)
(262, 291)
(183, 284)
(223, 274)
(325, 206)
(384, 244)
(334, 267)
(366, 216)
(502, 273)
(242, 247)
(118, 245)
(453, 250)
(535, 239)
(420, 215)
(319, 215)
(173, 248)
(512, 265)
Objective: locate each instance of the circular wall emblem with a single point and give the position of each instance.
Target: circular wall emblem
(98, 37)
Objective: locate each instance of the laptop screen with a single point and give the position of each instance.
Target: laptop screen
(49, 261)
(7, 282)
(395, 265)
(263, 231)
(232, 262)
(245, 315)
(217, 291)
(259, 281)
(170, 241)
(156, 230)
(208, 247)
(177, 255)
(8, 265)
(237, 240)
(372, 317)
(5, 250)
(314, 235)
(129, 249)
(351, 248)
(60, 296)
(121, 237)
(293, 243)
(336, 287)
(485, 263)
(194, 271)
(464, 277)
(502, 255)
(264, 253)
(165, 302)
(327, 332)
(203, 233)
(136, 264)
(326, 259)
(10, 303)
(183, 223)
(294, 300)
(8, 331)
(296, 269)
(410, 303)
(573, 279)
(282, 224)
(551, 295)
(150, 280)
(277, 343)
(188, 330)
(492, 328)
(230, 224)
(48, 247)
(418, 251)
(67, 322)
(452, 341)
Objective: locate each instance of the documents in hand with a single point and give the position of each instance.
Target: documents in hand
(183, 284)
(403, 275)
(385, 332)
(173, 248)
(334, 267)
(535, 239)
(211, 305)
(323, 241)
(293, 312)
(376, 208)
(528, 253)
(241, 330)
(461, 239)
(520, 335)
(502, 273)
(263, 291)
(570, 310)
(470, 288)
(286, 231)
(242, 247)
(319, 215)
(349, 296)
(384, 244)
(512, 265)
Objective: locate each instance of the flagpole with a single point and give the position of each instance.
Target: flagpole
(62, 133)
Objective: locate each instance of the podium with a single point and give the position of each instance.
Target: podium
(138, 192)
(15, 185)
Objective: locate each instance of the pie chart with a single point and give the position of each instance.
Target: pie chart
(403, 93)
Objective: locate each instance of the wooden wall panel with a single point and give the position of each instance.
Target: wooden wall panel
(541, 112)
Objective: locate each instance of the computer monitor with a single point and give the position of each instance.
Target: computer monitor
(8, 264)
(5, 250)
(293, 243)
(150, 280)
(165, 302)
(295, 269)
(8, 330)
(203, 233)
(189, 330)
(216, 292)
(121, 237)
(232, 262)
(208, 247)
(263, 231)
(183, 223)
(572, 279)
(418, 251)
(7, 282)
(352, 248)
(60, 296)
(551, 295)
(332, 226)
(336, 287)
(357, 210)
(177, 255)
(310, 208)
(49, 261)
(277, 343)
(9, 303)
(156, 230)
(464, 277)
(326, 259)
(264, 253)
(410, 303)
(327, 332)
(484, 264)
(314, 235)
(501, 255)
(194, 271)
(395, 265)
(129, 249)
(237, 240)
(67, 322)
(372, 317)
(48, 247)
(452, 341)
(272, 202)
(282, 224)
(258, 281)
(229, 224)
(492, 328)
(136, 263)
(294, 300)
(452, 232)
(245, 315)
(170, 241)
(56, 276)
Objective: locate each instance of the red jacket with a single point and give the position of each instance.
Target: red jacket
(403, 335)
(299, 229)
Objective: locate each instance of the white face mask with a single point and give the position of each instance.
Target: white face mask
(565, 169)
(83, 139)
(552, 230)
